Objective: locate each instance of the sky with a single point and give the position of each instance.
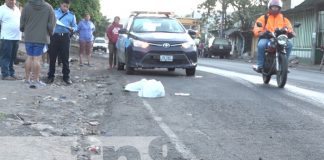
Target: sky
(122, 8)
(296, 2)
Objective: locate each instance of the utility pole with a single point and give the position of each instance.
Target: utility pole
(224, 7)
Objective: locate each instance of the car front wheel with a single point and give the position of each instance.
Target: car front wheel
(120, 66)
(129, 70)
(190, 71)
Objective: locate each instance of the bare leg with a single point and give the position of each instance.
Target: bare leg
(89, 51)
(28, 68)
(81, 51)
(111, 55)
(36, 67)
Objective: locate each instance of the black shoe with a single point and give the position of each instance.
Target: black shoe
(50, 80)
(257, 68)
(67, 81)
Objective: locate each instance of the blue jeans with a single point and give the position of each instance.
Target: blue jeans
(8, 52)
(262, 45)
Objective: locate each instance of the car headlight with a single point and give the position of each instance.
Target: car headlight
(188, 45)
(282, 39)
(140, 44)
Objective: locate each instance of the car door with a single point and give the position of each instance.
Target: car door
(123, 42)
(121, 47)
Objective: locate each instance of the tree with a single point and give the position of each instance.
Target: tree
(219, 16)
(209, 7)
(101, 27)
(246, 10)
(80, 8)
(224, 4)
(245, 13)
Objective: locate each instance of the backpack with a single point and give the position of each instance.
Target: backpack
(266, 19)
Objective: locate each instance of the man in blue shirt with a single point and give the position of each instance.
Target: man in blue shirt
(60, 41)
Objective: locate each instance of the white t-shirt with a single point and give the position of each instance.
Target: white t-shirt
(10, 23)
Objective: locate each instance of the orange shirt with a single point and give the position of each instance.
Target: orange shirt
(274, 22)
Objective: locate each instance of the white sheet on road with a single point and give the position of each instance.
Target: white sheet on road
(147, 88)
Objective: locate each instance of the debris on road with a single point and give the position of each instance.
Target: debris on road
(182, 94)
(49, 98)
(93, 127)
(94, 149)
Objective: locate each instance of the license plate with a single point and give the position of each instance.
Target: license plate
(221, 47)
(165, 58)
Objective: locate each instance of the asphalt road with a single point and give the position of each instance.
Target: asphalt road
(231, 115)
(226, 113)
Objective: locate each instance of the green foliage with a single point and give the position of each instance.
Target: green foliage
(101, 27)
(246, 11)
(209, 9)
(80, 7)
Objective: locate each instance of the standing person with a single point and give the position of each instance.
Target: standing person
(86, 29)
(10, 36)
(37, 22)
(112, 34)
(60, 41)
(201, 49)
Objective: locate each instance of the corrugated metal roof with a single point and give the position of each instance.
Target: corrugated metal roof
(307, 4)
(310, 3)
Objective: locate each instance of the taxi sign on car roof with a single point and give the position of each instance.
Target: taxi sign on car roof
(136, 13)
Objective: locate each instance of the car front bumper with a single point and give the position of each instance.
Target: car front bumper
(181, 58)
(99, 47)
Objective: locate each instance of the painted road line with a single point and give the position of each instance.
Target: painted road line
(181, 148)
(310, 96)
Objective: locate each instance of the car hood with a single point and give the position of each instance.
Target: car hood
(158, 37)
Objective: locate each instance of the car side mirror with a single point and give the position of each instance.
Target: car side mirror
(192, 32)
(297, 25)
(122, 31)
(259, 24)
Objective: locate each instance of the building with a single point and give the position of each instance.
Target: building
(190, 23)
(286, 4)
(310, 36)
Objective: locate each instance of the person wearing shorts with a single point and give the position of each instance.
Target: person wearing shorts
(37, 22)
(32, 64)
(85, 30)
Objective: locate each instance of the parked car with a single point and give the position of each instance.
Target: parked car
(220, 47)
(100, 43)
(156, 41)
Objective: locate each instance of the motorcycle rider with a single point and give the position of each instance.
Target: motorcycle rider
(271, 21)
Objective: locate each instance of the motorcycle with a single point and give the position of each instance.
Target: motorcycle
(276, 62)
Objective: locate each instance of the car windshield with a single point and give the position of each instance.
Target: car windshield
(157, 25)
(100, 41)
(221, 41)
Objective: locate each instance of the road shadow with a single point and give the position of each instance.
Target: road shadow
(160, 72)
